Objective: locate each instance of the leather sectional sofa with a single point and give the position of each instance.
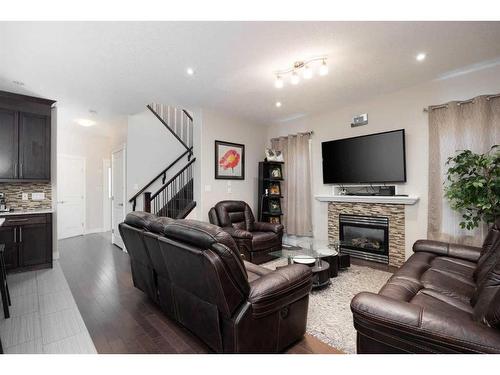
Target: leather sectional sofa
(444, 299)
(194, 271)
(254, 239)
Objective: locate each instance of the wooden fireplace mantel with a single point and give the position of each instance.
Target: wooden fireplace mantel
(410, 200)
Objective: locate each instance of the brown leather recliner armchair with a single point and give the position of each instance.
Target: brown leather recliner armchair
(193, 270)
(444, 299)
(255, 239)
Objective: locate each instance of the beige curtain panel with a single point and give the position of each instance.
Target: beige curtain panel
(296, 189)
(475, 125)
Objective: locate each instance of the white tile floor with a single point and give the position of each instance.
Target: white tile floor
(44, 316)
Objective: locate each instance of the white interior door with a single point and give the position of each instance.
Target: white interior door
(106, 195)
(118, 194)
(70, 196)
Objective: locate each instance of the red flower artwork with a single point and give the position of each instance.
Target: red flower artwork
(230, 160)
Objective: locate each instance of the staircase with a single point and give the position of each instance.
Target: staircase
(175, 198)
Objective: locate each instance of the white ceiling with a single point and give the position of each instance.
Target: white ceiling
(118, 67)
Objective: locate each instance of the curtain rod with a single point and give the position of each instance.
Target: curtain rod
(432, 107)
(309, 132)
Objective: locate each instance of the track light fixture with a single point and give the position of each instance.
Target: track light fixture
(304, 67)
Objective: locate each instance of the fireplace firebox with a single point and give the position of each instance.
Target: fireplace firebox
(365, 237)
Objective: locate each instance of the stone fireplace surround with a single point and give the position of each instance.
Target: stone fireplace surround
(395, 213)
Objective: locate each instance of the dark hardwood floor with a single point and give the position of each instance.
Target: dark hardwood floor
(119, 317)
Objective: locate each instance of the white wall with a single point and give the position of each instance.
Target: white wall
(403, 109)
(218, 126)
(150, 149)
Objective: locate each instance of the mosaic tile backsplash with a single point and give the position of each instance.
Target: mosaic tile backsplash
(13, 195)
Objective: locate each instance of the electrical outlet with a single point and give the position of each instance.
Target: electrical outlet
(37, 196)
(24, 196)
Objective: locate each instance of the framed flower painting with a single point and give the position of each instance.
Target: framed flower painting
(229, 161)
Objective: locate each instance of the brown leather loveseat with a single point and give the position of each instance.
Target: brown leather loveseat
(254, 239)
(194, 271)
(444, 299)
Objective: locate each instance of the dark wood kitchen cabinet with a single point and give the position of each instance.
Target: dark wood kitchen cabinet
(25, 137)
(11, 255)
(8, 144)
(28, 241)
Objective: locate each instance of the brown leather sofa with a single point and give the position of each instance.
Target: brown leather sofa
(444, 299)
(255, 239)
(193, 270)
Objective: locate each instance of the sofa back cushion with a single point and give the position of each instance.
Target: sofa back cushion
(489, 253)
(485, 298)
(236, 214)
(140, 219)
(493, 314)
(205, 236)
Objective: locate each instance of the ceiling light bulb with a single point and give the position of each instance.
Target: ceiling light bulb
(278, 83)
(190, 71)
(307, 72)
(85, 122)
(323, 69)
(421, 57)
(278, 104)
(295, 78)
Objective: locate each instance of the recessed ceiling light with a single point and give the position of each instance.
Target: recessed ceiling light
(323, 69)
(278, 104)
(190, 71)
(421, 57)
(279, 82)
(18, 83)
(85, 122)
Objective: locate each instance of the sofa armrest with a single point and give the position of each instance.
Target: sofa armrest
(260, 226)
(426, 327)
(279, 288)
(238, 233)
(470, 253)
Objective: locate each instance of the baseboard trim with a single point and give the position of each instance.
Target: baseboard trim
(95, 230)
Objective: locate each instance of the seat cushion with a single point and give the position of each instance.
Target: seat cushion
(254, 271)
(449, 284)
(459, 267)
(452, 307)
(265, 240)
(449, 277)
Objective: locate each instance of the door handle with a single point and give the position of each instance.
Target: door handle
(120, 204)
(21, 170)
(62, 202)
(20, 234)
(15, 235)
(15, 170)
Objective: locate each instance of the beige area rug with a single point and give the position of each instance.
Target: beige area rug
(329, 316)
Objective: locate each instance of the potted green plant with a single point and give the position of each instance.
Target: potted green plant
(472, 186)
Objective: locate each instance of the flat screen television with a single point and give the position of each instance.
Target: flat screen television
(374, 158)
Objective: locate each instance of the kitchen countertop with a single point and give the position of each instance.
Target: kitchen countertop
(27, 212)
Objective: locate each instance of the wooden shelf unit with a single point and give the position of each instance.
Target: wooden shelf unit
(270, 180)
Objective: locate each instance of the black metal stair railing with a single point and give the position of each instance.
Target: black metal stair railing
(175, 198)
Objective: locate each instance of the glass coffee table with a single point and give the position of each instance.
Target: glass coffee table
(322, 258)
